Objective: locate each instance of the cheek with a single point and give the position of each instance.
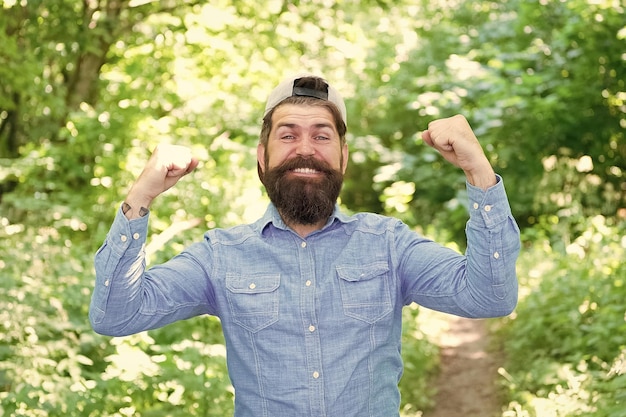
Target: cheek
(335, 160)
(276, 156)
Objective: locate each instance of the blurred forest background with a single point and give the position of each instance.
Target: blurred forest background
(88, 88)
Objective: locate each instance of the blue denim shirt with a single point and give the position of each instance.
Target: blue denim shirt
(312, 326)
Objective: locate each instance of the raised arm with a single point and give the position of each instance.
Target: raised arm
(483, 283)
(126, 298)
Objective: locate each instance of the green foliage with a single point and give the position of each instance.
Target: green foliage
(568, 336)
(53, 364)
(421, 362)
(87, 89)
(533, 88)
(558, 73)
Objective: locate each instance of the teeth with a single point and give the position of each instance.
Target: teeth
(305, 170)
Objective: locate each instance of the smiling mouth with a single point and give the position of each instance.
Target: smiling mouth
(305, 171)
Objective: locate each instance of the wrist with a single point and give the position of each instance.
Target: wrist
(132, 213)
(482, 178)
(136, 205)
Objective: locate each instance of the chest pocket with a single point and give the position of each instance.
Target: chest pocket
(365, 291)
(253, 300)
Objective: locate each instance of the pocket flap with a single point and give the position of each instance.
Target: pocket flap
(362, 272)
(252, 284)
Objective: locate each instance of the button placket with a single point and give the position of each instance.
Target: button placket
(310, 333)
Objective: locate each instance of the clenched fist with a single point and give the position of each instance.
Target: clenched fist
(167, 165)
(454, 138)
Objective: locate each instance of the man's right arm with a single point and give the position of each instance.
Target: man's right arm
(123, 290)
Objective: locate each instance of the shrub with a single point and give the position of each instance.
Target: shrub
(568, 335)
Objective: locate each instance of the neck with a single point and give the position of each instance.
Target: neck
(303, 230)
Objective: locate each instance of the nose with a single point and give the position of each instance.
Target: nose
(305, 148)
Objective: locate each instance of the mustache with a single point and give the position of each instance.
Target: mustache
(307, 163)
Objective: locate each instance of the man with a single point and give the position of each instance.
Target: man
(309, 298)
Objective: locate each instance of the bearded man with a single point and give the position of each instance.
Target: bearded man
(310, 299)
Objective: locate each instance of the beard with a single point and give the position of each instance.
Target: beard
(300, 200)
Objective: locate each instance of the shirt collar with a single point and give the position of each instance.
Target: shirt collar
(272, 217)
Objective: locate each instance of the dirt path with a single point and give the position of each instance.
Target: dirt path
(469, 369)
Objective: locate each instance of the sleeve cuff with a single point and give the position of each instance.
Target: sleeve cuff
(127, 234)
(489, 207)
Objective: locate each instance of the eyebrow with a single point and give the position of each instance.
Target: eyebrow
(295, 125)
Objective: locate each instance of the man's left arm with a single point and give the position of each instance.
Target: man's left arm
(487, 273)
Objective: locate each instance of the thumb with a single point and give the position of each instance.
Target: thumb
(427, 138)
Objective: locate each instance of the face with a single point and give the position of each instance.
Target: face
(303, 163)
(305, 131)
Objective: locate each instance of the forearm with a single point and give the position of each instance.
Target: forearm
(167, 164)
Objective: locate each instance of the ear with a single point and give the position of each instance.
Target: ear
(260, 156)
(344, 154)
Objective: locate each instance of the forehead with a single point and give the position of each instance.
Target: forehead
(302, 115)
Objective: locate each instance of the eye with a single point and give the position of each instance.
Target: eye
(287, 137)
(322, 138)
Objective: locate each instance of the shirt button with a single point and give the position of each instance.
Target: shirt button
(123, 238)
(496, 255)
(303, 244)
(475, 206)
(311, 328)
(308, 283)
(106, 283)
(487, 208)
(252, 286)
(316, 374)
(136, 236)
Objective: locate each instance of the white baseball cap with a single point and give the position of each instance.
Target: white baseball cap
(297, 85)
